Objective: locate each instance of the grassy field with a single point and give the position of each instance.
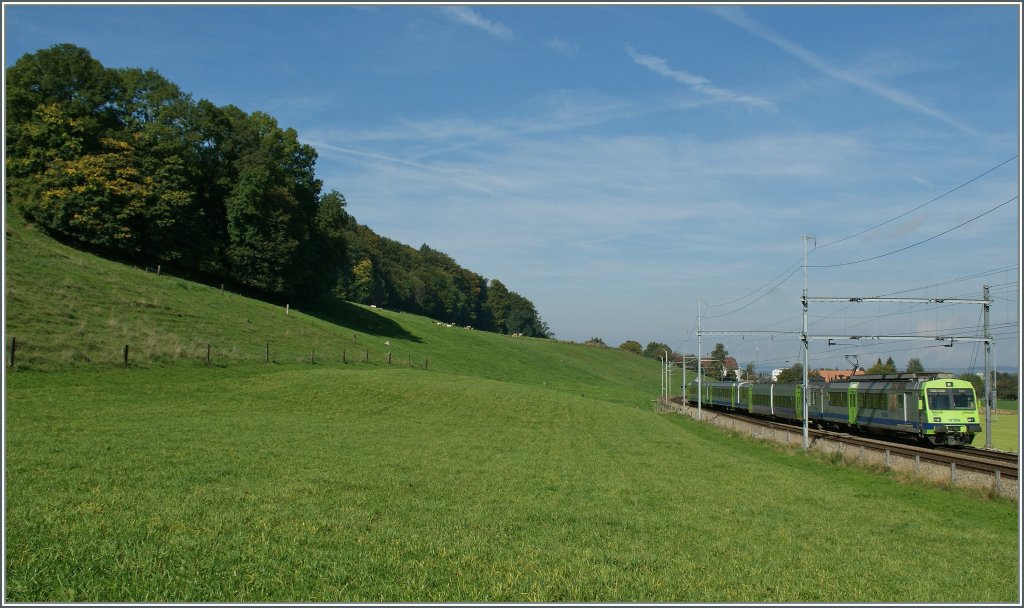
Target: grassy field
(1006, 404)
(505, 470)
(341, 484)
(1005, 432)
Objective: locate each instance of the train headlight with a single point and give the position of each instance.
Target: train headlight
(936, 419)
(970, 420)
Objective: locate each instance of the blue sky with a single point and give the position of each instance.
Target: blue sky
(616, 164)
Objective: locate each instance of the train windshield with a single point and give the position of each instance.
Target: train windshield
(951, 399)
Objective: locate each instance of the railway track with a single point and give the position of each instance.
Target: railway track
(995, 455)
(994, 465)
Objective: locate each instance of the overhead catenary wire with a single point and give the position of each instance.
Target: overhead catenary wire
(998, 331)
(799, 262)
(910, 309)
(758, 299)
(921, 242)
(921, 206)
(906, 310)
(770, 286)
(793, 270)
(951, 281)
(788, 269)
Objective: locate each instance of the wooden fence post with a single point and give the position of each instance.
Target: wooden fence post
(344, 356)
(14, 346)
(207, 354)
(268, 352)
(126, 355)
(389, 357)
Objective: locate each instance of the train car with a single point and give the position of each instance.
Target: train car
(935, 408)
(931, 407)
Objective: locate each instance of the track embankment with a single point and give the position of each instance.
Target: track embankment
(977, 468)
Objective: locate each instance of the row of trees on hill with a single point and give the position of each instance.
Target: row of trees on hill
(429, 282)
(714, 365)
(653, 350)
(124, 162)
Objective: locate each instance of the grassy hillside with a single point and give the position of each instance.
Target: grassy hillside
(69, 310)
(506, 470)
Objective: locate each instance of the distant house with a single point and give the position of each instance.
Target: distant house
(830, 375)
(729, 363)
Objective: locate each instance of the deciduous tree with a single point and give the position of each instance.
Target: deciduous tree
(914, 366)
(632, 346)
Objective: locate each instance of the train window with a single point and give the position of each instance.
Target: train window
(963, 399)
(938, 399)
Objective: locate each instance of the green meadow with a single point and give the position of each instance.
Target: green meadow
(1005, 433)
(1007, 404)
(471, 468)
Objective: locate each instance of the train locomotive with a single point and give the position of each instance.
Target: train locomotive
(933, 408)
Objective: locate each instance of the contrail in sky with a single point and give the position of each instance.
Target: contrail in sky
(738, 17)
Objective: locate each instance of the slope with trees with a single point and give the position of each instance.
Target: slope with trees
(122, 162)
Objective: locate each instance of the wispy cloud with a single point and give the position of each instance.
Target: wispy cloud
(464, 178)
(738, 17)
(698, 83)
(552, 112)
(576, 189)
(563, 47)
(468, 16)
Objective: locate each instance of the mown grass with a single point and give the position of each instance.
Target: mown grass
(343, 484)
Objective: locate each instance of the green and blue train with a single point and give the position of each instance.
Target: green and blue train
(933, 407)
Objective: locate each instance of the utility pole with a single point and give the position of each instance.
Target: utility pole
(803, 338)
(661, 397)
(699, 372)
(684, 376)
(988, 371)
(668, 379)
(684, 373)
